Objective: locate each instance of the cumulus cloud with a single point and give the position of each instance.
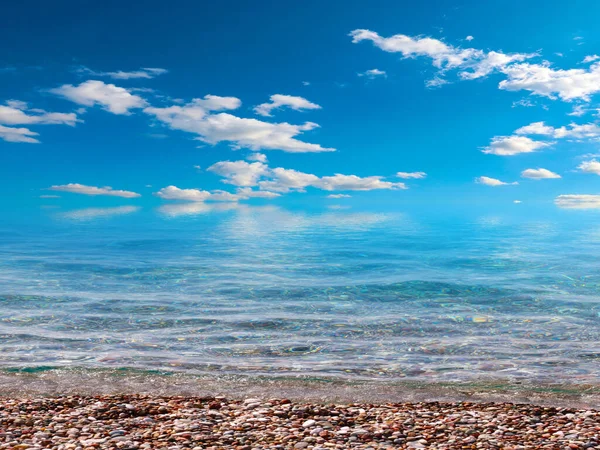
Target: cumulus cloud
(573, 130)
(578, 111)
(281, 180)
(539, 79)
(340, 182)
(590, 58)
(339, 196)
(200, 196)
(77, 188)
(592, 166)
(285, 180)
(260, 157)
(513, 145)
(469, 38)
(492, 182)
(519, 143)
(188, 195)
(578, 201)
(11, 134)
(245, 193)
(223, 196)
(146, 72)
(442, 54)
(15, 112)
(373, 73)
(114, 99)
(436, 82)
(491, 62)
(240, 173)
(539, 128)
(196, 117)
(474, 62)
(408, 175)
(516, 202)
(280, 101)
(545, 81)
(539, 174)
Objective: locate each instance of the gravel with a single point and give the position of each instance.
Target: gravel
(130, 422)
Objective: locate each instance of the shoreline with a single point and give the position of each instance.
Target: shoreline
(137, 422)
(46, 382)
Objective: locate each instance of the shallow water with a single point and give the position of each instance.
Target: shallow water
(268, 291)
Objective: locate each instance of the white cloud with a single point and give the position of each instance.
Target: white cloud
(199, 196)
(539, 128)
(114, 99)
(525, 102)
(492, 182)
(539, 79)
(245, 174)
(216, 103)
(245, 193)
(590, 58)
(306, 83)
(491, 62)
(469, 38)
(285, 180)
(436, 82)
(578, 111)
(517, 202)
(513, 145)
(260, 157)
(146, 72)
(11, 134)
(49, 196)
(240, 173)
(15, 113)
(188, 195)
(408, 175)
(539, 174)
(519, 143)
(574, 131)
(444, 56)
(95, 213)
(592, 166)
(77, 188)
(280, 101)
(373, 73)
(195, 117)
(578, 201)
(223, 196)
(339, 196)
(340, 182)
(543, 80)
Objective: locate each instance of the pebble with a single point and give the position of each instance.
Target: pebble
(130, 422)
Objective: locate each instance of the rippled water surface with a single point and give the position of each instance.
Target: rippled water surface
(331, 293)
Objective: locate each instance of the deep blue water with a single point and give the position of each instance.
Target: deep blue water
(265, 290)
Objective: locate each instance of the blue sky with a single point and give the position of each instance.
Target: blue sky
(404, 104)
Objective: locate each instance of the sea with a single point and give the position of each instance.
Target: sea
(325, 293)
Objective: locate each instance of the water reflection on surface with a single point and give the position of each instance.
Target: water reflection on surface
(264, 290)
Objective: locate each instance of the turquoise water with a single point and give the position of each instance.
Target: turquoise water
(269, 291)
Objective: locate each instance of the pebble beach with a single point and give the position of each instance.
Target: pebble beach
(129, 422)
